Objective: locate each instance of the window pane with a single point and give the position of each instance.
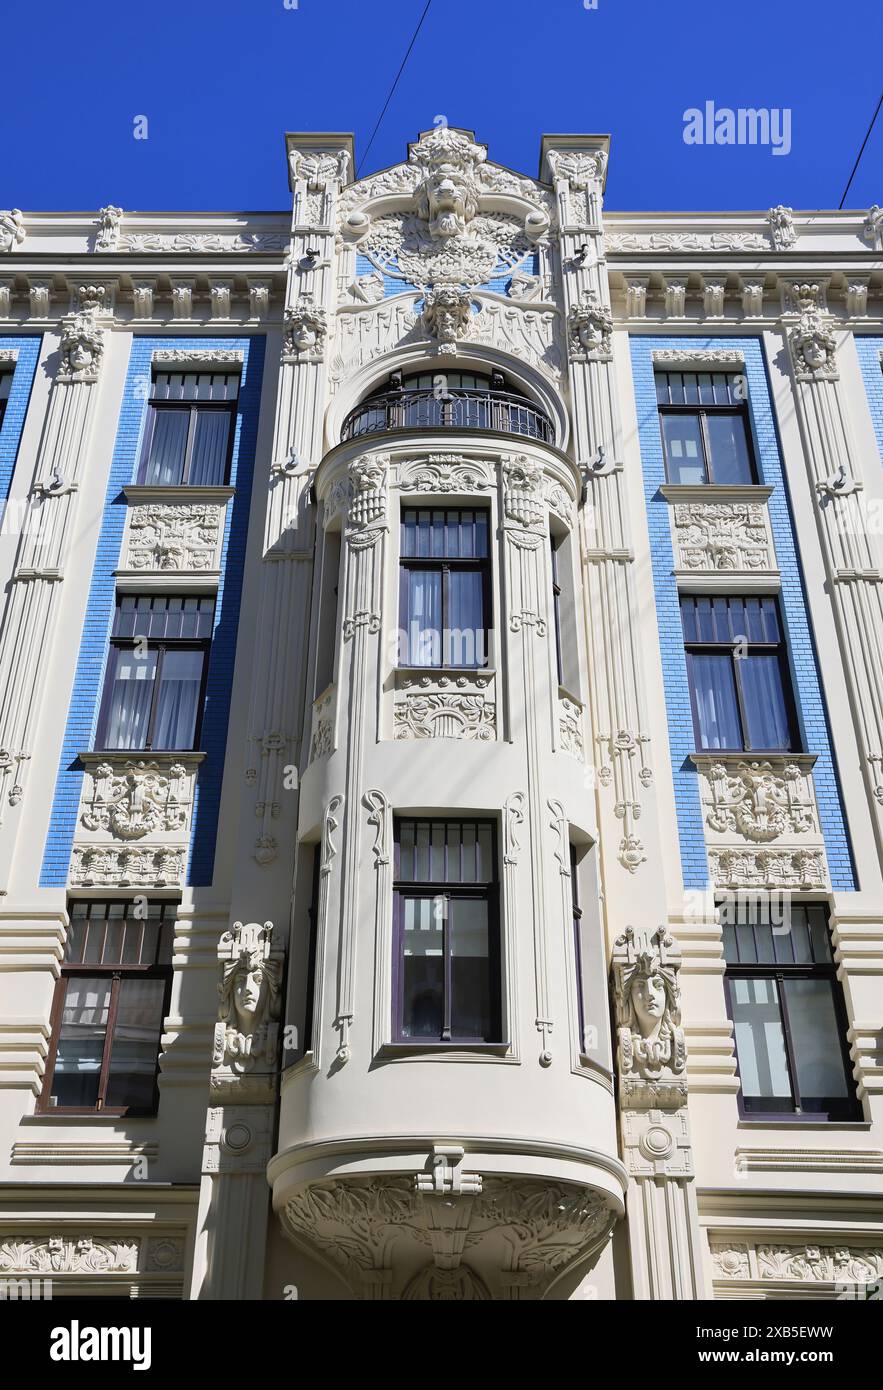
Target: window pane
(470, 969)
(683, 448)
(730, 461)
(209, 460)
(815, 1038)
(131, 695)
(135, 1047)
(422, 618)
(423, 967)
(81, 1041)
(465, 639)
(714, 692)
(760, 1041)
(764, 697)
(178, 702)
(165, 465)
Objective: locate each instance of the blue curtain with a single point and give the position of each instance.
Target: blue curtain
(764, 698)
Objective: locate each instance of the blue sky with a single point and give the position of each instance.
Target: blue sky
(220, 80)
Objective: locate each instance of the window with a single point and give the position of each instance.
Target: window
(109, 1008)
(156, 672)
(578, 949)
(446, 970)
(705, 429)
(444, 588)
(5, 388)
(555, 542)
(787, 1012)
(737, 668)
(189, 434)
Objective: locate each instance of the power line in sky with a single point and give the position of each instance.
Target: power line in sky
(861, 152)
(393, 87)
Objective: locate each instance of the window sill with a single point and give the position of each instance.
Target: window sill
(717, 492)
(163, 756)
(179, 492)
(734, 755)
(448, 672)
(444, 1052)
(803, 1122)
(88, 1117)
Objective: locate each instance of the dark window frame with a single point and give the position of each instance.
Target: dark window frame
(555, 543)
(159, 646)
(578, 949)
(116, 973)
(488, 892)
(193, 406)
(768, 1108)
(702, 411)
(780, 649)
(445, 565)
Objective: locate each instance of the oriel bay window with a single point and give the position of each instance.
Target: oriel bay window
(156, 672)
(446, 970)
(706, 434)
(188, 438)
(737, 666)
(444, 587)
(787, 1011)
(109, 1008)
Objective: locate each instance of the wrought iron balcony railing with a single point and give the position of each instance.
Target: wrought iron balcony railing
(496, 411)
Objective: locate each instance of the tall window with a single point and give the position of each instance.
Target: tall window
(738, 671)
(109, 1008)
(555, 542)
(444, 588)
(5, 388)
(788, 1015)
(156, 672)
(705, 429)
(447, 968)
(578, 949)
(189, 435)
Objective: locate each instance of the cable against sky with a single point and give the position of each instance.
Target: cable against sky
(394, 85)
(861, 152)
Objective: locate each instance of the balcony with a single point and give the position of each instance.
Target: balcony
(497, 412)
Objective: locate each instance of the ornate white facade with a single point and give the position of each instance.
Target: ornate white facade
(607, 1136)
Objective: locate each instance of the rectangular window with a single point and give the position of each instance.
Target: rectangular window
(578, 949)
(787, 1011)
(188, 439)
(156, 672)
(706, 434)
(447, 966)
(737, 666)
(5, 388)
(109, 1008)
(555, 542)
(444, 588)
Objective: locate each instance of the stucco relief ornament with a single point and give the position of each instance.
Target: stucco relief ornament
(249, 1005)
(447, 313)
(368, 480)
(579, 168)
(82, 341)
(648, 1006)
(758, 801)
(523, 490)
(872, 230)
(813, 345)
(590, 325)
(317, 169)
(109, 223)
(781, 220)
(12, 231)
(138, 800)
(306, 331)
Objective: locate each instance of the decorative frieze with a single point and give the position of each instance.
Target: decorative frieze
(199, 359)
(444, 473)
(684, 241)
(89, 1254)
(205, 243)
(758, 800)
(445, 707)
(700, 359)
(182, 538)
(131, 799)
(736, 1261)
(777, 868)
(127, 866)
(721, 536)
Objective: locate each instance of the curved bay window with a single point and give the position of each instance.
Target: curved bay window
(448, 400)
(444, 587)
(446, 969)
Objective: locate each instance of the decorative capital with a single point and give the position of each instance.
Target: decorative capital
(318, 168)
(368, 476)
(12, 229)
(781, 220)
(812, 342)
(590, 325)
(652, 1051)
(522, 490)
(578, 168)
(109, 223)
(306, 331)
(82, 341)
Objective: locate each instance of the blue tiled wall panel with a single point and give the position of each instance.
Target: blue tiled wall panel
(869, 349)
(83, 713)
(16, 407)
(801, 649)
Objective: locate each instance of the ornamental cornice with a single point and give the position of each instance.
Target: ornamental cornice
(205, 358)
(698, 358)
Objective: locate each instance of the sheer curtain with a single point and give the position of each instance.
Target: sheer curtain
(716, 706)
(209, 448)
(131, 699)
(167, 447)
(764, 698)
(178, 699)
(424, 617)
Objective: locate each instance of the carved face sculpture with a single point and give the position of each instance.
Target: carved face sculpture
(81, 354)
(589, 334)
(447, 202)
(649, 1001)
(248, 994)
(815, 352)
(304, 335)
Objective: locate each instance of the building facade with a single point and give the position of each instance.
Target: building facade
(441, 742)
